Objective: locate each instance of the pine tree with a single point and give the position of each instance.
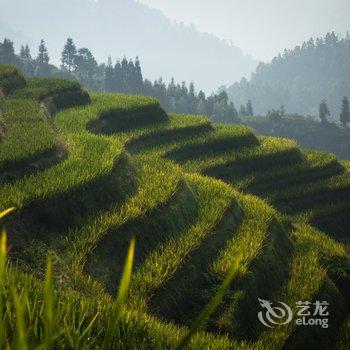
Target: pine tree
(324, 111)
(232, 111)
(26, 62)
(119, 78)
(345, 112)
(242, 111)
(201, 95)
(171, 89)
(222, 96)
(192, 101)
(249, 108)
(124, 73)
(68, 55)
(109, 76)
(282, 111)
(85, 63)
(43, 56)
(138, 76)
(7, 52)
(201, 107)
(25, 53)
(131, 84)
(210, 106)
(42, 61)
(184, 90)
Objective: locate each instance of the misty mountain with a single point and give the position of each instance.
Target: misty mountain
(126, 27)
(300, 78)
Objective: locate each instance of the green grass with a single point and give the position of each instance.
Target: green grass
(178, 127)
(205, 249)
(268, 153)
(28, 132)
(224, 138)
(315, 166)
(162, 263)
(90, 156)
(31, 141)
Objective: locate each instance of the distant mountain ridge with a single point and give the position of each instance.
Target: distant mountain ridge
(126, 27)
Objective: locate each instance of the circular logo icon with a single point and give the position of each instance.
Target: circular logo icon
(274, 315)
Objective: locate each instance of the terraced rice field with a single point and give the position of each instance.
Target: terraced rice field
(87, 173)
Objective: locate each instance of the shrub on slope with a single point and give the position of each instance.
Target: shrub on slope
(10, 80)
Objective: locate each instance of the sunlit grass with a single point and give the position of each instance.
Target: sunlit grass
(65, 308)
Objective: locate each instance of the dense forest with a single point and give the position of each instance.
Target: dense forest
(300, 78)
(124, 76)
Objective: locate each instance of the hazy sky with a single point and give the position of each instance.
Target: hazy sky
(261, 28)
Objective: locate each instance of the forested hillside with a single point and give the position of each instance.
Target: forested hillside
(300, 78)
(123, 76)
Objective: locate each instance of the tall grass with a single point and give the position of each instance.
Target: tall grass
(213, 304)
(20, 340)
(49, 312)
(48, 305)
(2, 286)
(119, 303)
(3, 263)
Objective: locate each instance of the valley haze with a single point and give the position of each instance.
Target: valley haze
(127, 28)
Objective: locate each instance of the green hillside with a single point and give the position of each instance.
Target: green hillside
(87, 173)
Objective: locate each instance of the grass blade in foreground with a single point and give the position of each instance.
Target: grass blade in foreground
(20, 342)
(48, 304)
(3, 253)
(213, 304)
(2, 287)
(6, 212)
(119, 303)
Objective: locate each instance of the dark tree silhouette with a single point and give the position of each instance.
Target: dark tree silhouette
(7, 52)
(85, 63)
(324, 111)
(109, 76)
(249, 108)
(68, 55)
(345, 112)
(242, 111)
(42, 61)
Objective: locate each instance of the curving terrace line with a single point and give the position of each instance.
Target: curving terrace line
(189, 227)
